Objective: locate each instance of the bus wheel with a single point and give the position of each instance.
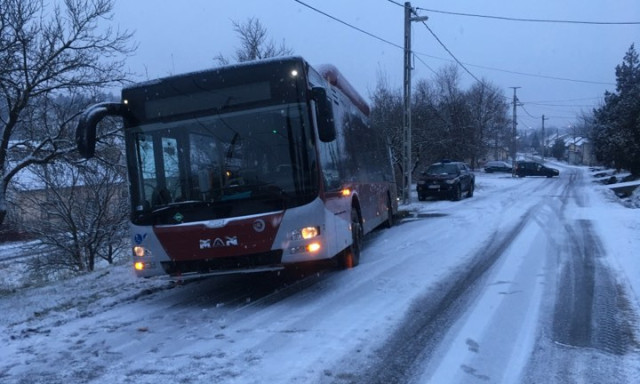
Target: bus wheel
(389, 222)
(351, 256)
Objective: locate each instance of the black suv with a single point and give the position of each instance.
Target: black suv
(533, 168)
(446, 179)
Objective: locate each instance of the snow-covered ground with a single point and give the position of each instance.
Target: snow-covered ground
(109, 326)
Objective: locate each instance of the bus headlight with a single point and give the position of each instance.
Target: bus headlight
(305, 233)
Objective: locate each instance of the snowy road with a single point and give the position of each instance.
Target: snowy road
(519, 284)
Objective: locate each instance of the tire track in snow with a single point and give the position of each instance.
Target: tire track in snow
(587, 311)
(424, 326)
(590, 329)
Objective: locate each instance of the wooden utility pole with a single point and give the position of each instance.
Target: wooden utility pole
(544, 139)
(515, 123)
(406, 116)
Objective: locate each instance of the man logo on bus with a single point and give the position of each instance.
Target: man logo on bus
(229, 241)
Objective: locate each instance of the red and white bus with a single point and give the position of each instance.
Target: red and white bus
(249, 167)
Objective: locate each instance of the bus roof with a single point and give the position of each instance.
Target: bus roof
(335, 78)
(217, 69)
(327, 71)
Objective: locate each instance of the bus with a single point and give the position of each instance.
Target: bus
(249, 167)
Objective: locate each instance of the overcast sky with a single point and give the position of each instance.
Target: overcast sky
(562, 68)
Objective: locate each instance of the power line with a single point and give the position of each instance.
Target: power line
(561, 105)
(440, 58)
(348, 25)
(365, 32)
(416, 54)
(396, 3)
(450, 53)
(541, 76)
(532, 20)
(563, 100)
(498, 69)
(525, 110)
(423, 62)
(521, 73)
(555, 117)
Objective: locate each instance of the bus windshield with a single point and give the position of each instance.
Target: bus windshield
(225, 165)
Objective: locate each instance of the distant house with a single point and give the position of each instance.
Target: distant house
(578, 149)
(31, 202)
(495, 153)
(500, 154)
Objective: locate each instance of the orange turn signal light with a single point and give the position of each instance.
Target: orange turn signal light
(313, 247)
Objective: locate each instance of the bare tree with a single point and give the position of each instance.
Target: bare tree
(46, 51)
(386, 117)
(447, 122)
(453, 108)
(431, 131)
(78, 213)
(488, 112)
(253, 43)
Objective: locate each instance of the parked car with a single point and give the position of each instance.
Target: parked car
(498, 166)
(446, 179)
(533, 168)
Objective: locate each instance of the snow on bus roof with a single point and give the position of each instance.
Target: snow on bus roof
(335, 78)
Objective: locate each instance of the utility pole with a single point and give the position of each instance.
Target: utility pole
(544, 139)
(406, 116)
(515, 123)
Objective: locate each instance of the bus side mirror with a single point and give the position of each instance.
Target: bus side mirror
(86, 129)
(324, 115)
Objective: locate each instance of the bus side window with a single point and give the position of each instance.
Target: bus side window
(329, 165)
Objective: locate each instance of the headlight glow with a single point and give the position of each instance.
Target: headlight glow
(138, 251)
(313, 247)
(309, 232)
(139, 266)
(305, 233)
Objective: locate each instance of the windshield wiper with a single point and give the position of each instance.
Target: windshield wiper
(186, 203)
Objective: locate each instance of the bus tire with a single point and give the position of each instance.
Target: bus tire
(351, 255)
(390, 219)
